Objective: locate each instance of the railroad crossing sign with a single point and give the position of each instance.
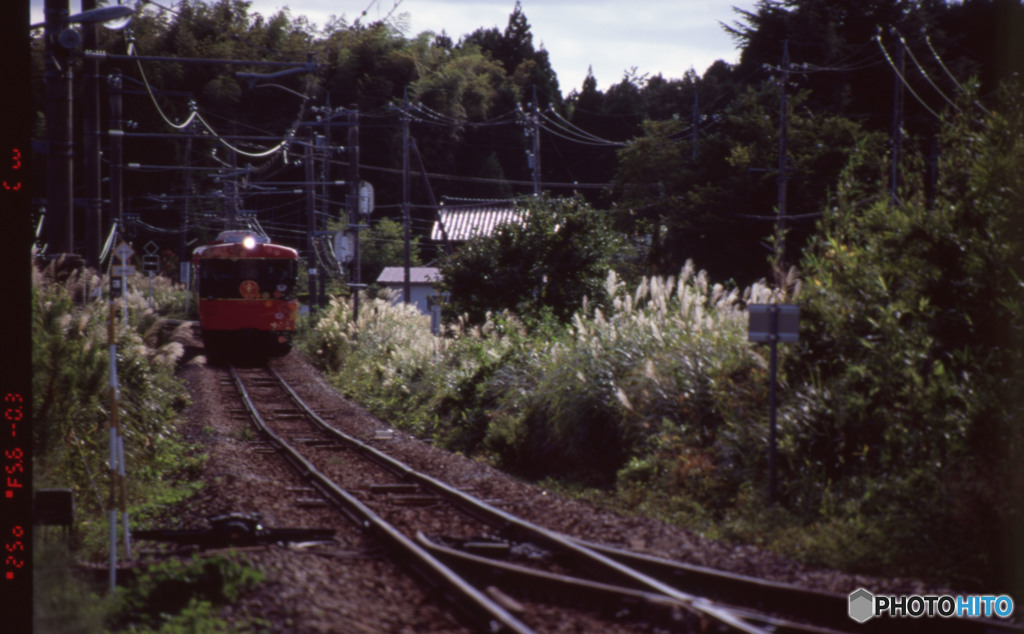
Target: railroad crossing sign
(124, 251)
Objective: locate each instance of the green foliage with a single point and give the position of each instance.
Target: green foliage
(899, 445)
(715, 204)
(183, 595)
(62, 602)
(71, 395)
(908, 382)
(642, 391)
(384, 245)
(650, 379)
(549, 263)
(71, 406)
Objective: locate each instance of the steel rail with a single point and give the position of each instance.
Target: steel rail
(674, 580)
(582, 556)
(828, 607)
(650, 604)
(645, 605)
(477, 605)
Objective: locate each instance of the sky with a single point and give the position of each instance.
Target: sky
(666, 37)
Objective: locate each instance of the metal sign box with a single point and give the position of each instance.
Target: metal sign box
(786, 318)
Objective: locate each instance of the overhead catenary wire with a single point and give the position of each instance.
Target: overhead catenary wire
(949, 74)
(924, 73)
(903, 80)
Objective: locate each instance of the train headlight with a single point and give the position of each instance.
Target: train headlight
(249, 242)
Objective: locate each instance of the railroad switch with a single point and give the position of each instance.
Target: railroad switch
(235, 529)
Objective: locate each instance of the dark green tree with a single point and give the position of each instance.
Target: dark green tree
(912, 361)
(384, 245)
(559, 255)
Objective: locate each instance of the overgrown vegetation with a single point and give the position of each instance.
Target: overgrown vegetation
(544, 266)
(72, 397)
(900, 444)
(71, 411)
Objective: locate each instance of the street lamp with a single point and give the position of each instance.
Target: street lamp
(59, 41)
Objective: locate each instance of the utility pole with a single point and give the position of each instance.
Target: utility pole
(232, 185)
(325, 168)
(183, 258)
(353, 204)
(311, 217)
(91, 145)
(535, 156)
(60, 219)
(897, 125)
(116, 141)
(695, 120)
(783, 175)
(407, 281)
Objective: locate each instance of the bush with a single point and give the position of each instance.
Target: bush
(912, 363)
(543, 267)
(72, 401)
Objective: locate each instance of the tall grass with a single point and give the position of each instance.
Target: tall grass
(654, 402)
(631, 391)
(71, 410)
(71, 394)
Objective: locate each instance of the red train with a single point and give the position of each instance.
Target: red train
(245, 294)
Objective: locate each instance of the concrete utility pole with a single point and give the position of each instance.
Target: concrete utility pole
(311, 217)
(897, 125)
(535, 156)
(695, 120)
(91, 127)
(353, 204)
(783, 174)
(407, 281)
(60, 218)
(116, 142)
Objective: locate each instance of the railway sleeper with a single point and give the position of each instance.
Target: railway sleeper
(311, 503)
(397, 487)
(320, 443)
(413, 499)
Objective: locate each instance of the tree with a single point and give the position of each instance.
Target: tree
(912, 362)
(559, 255)
(717, 206)
(514, 50)
(383, 246)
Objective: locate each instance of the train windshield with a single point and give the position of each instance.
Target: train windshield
(247, 279)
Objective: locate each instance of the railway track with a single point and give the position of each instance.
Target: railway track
(509, 575)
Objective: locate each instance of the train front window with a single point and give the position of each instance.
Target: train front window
(247, 279)
(277, 277)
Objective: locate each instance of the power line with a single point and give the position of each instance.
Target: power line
(903, 79)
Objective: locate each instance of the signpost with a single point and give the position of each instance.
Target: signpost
(772, 323)
(151, 264)
(123, 252)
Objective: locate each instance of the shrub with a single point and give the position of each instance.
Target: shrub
(71, 396)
